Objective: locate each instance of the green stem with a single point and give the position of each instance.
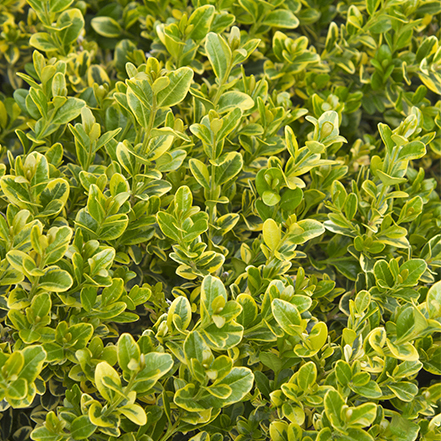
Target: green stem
(126, 129)
(211, 210)
(118, 401)
(170, 431)
(145, 143)
(222, 84)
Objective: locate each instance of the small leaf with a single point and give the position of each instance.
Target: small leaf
(305, 230)
(434, 300)
(68, 111)
(135, 413)
(281, 18)
(233, 99)
(271, 234)
(55, 280)
(82, 428)
(106, 26)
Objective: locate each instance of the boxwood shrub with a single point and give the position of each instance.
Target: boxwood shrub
(220, 220)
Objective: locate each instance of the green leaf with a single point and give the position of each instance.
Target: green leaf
(17, 390)
(281, 18)
(179, 313)
(139, 99)
(129, 355)
(113, 226)
(225, 337)
(221, 391)
(70, 24)
(271, 234)
(433, 300)
(278, 431)
(101, 261)
(333, 407)
(390, 180)
(106, 26)
(404, 390)
(219, 55)
(201, 20)
(229, 123)
(176, 91)
(34, 357)
(401, 428)
(413, 270)
(343, 372)
(60, 239)
(355, 434)
(185, 398)
(54, 197)
(167, 224)
(211, 289)
(383, 274)
(21, 261)
(200, 172)
(43, 42)
(362, 416)
(372, 6)
(307, 375)
(80, 333)
(404, 351)
(305, 230)
(112, 293)
(55, 280)
(270, 198)
(104, 370)
(195, 348)
(135, 413)
(233, 99)
(158, 146)
(229, 167)
(42, 433)
(40, 307)
(156, 365)
(370, 390)
(183, 200)
(82, 428)
(68, 111)
(351, 206)
(240, 381)
(16, 192)
(412, 150)
(287, 316)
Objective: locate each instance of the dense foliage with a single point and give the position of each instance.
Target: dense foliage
(220, 220)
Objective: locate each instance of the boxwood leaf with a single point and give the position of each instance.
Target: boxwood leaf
(219, 55)
(106, 26)
(287, 316)
(55, 280)
(82, 428)
(281, 18)
(135, 413)
(176, 91)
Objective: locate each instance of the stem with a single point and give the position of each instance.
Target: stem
(170, 431)
(222, 84)
(145, 142)
(211, 210)
(117, 402)
(126, 129)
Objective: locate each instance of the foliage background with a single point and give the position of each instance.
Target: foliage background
(220, 220)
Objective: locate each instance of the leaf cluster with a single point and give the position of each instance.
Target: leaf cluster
(220, 220)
